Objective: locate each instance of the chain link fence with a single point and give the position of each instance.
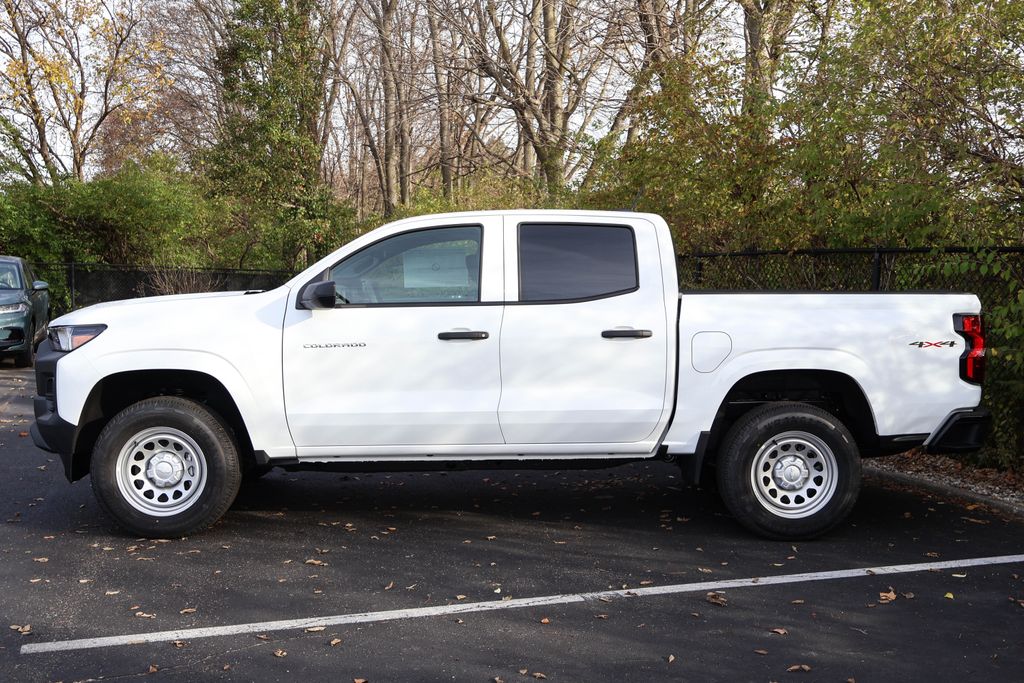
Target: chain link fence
(839, 270)
(902, 270)
(75, 285)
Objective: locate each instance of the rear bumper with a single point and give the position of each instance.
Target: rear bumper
(963, 432)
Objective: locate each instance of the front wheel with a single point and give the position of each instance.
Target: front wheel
(165, 466)
(789, 471)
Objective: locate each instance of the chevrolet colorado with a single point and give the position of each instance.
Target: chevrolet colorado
(524, 338)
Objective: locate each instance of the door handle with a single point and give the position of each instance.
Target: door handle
(626, 334)
(448, 336)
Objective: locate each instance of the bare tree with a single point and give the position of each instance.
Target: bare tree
(66, 67)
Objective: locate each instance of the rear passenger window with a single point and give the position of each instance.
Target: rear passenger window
(567, 262)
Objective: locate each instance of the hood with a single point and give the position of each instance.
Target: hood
(98, 312)
(12, 296)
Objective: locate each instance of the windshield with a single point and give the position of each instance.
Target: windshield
(9, 276)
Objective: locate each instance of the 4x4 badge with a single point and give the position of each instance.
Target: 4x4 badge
(928, 344)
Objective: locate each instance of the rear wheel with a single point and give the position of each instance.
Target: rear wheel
(789, 471)
(165, 466)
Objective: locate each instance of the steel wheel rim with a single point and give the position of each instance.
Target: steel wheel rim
(794, 474)
(161, 471)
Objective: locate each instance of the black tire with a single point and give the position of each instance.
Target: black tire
(24, 358)
(186, 426)
(808, 471)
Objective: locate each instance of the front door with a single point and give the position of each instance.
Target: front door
(409, 355)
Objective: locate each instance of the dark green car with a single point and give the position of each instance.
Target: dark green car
(24, 310)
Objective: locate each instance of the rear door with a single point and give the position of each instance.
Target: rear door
(585, 344)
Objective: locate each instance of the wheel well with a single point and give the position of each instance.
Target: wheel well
(116, 392)
(834, 392)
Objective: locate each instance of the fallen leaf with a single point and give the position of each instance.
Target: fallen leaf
(335, 642)
(41, 559)
(948, 596)
(545, 620)
(761, 652)
(263, 636)
(23, 630)
(499, 679)
(671, 658)
(23, 435)
(188, 610)
(391, 584)
(460, 597)
(153, 668)
(280, 653)
(112, 592)
(539, 676)
(600, 616)
(716, 598)
(317, 563)
(780, 631)
(887, 597)
(143, 615)
(85, 581)
(359, 680)
(523, 672)
(959, 576)
(799, 667)
(796, 602)
(179, 643)
(315, 629)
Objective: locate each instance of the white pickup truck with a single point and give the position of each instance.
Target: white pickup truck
(519, 337)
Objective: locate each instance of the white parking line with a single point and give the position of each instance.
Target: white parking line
(519, 603)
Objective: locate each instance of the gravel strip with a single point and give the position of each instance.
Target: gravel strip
(951, 477)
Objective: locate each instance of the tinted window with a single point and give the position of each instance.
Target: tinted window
(559, 262)
(439, 265)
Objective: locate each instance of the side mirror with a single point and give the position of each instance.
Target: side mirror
(39, 285)
(317, 295)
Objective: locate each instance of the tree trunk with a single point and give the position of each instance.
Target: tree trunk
(443, 105)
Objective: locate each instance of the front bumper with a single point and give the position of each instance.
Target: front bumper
(962, 432)
(13, 335)
(51, 432)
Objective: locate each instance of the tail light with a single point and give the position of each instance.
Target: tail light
(972, 361)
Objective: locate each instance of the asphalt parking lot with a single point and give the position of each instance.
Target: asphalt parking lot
(618, 574)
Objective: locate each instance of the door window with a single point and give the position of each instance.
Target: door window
(435, 266)
(574, 262)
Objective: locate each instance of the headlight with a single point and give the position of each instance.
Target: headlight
(14, 308)
(70, 337)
